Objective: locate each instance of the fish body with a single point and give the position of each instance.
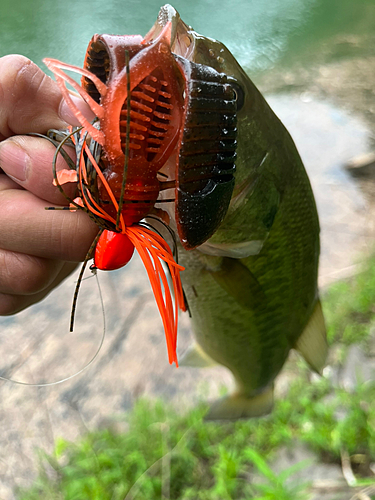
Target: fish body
(252, 287)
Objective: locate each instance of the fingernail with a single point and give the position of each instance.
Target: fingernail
(14, 160)
(68, 115)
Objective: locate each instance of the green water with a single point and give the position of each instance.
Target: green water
(260, 33)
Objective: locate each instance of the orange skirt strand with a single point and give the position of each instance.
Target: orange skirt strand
(153, 249)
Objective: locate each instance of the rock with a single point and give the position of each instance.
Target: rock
(362, 166)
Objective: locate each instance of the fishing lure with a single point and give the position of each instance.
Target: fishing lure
(242, 205)
(146, 100)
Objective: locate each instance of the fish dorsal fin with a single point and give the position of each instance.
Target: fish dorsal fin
(312, 344)
(195, 356)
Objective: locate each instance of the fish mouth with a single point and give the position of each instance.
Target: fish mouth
(203, 161)
(181, 36)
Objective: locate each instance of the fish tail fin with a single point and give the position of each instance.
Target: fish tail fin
(239, 405)
(312, 344)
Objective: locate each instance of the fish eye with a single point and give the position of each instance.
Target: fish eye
(187, 40)
(240, 94)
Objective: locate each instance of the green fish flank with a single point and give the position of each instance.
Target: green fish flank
(252, 287)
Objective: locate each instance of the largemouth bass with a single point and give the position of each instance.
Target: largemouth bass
(252, 287)
(196, 132)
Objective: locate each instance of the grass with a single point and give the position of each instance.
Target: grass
(167, 455)
(349, 307)
(164, 451)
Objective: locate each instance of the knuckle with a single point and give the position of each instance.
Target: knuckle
(6, 183)
(25, 90)
(10, 304)
(34, 279)
(76, 236)
(24, 274)
(11, 67)
(15, 72)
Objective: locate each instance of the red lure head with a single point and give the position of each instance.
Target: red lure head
(113, 251)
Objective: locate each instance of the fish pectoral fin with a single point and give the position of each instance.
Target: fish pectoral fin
(239, 250)
(239, 282)
(239, 405)
(312, 344)
(195, 357)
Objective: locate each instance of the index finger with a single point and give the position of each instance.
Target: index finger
(30, 101)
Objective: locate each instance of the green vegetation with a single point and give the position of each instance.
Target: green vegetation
(349, 307)
(164, 454)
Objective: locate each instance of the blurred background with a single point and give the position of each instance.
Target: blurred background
(314, 60)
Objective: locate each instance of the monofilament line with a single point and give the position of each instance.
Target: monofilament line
(46, 384)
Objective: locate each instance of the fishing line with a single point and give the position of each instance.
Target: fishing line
(87, 258)
(59, 149)
(78, 149)
(134, 489)
(87, 277)
(56, 143)
(89, 363)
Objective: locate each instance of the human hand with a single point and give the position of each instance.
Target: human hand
(38, 248)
